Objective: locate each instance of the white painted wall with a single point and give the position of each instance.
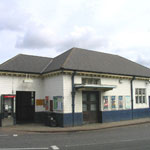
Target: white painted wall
(61, 85)
(53, 86)
(67, 88)
(122, 89)
(11, 84)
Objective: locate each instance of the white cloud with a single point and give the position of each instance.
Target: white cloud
(42, 37)
(50, 27)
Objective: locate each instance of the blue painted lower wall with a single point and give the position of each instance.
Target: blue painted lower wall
(120, 115)
(65, 120)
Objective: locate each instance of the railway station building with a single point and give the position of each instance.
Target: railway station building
(77, 87)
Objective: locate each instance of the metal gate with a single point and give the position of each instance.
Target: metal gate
(25, 106)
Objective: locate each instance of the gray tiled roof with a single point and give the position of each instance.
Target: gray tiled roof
(25, 63)
(76, 59)
(106, 63)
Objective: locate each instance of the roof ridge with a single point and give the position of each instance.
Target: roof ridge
(36, 56)
(95, 51)
(47, 65)
(66, 60)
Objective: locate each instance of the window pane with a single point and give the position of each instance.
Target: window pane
(137, 100)
(93, 107)
(83, 81)
(84, 107)
(92, 97)
(144, 99)
(136, 92)
(143, 92)
(84, 97)
(140, 91)
(140, 99)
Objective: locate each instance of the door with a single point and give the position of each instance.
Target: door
(90, 106)
(25, 106)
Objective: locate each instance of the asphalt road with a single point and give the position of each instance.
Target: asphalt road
(135, 137)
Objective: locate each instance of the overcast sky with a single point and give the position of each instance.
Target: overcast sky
(50, 27)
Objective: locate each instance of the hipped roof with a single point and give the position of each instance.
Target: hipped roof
(76, 59)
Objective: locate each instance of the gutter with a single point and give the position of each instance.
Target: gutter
(131, 84)
(73, 96)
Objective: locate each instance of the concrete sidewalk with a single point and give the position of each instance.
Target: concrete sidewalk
(40, 128)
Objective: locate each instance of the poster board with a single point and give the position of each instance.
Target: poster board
(120, 102)
(105, 98)
(128, 102)
(57, 103)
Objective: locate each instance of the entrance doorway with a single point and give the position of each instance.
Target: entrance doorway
(90, 107)
(25, 106)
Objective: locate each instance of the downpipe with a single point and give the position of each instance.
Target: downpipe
(73, 97)
(131, 84)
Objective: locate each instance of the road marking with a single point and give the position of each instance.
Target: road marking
(54, 147)
(32, 148)
(15, 135)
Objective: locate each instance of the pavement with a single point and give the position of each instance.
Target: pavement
(40, 128)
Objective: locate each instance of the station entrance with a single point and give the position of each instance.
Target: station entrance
(25, 106)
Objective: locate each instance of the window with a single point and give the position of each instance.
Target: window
(113, 102)
(90, 81)
(140, 96)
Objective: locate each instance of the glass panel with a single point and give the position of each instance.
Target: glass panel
(144, 99)
(84, 107)
(93, 107)
(84, 97)
(143, 92)
(89, 81)
(83, 81)
(32, 101)
(137, 101)
(136, 91)
(105, 98)
(113, 102)
(140, 99)
(120, 102)
(92, 97)
(140, 91)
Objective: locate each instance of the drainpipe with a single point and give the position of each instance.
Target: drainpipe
(73, 97)
(131, 83)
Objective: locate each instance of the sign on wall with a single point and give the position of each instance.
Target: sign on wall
(120, 102)
(113, 102)
(46, 102)
(128, 102)
(105, 98)
(58, 103)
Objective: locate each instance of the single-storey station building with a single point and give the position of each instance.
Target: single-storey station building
(77, 87)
